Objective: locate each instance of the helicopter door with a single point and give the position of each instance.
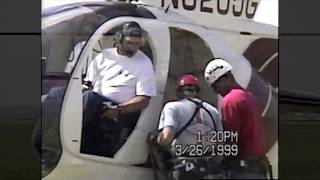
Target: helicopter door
(134, 149)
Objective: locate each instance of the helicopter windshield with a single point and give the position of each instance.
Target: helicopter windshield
(62, 44)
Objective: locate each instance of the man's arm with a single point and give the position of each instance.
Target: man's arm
(138, 103)
(91, 73)
(167, 125)
(165, 136)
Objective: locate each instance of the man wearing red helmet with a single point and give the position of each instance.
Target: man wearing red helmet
(181, 122)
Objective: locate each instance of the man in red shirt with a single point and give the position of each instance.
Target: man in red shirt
(239, 114)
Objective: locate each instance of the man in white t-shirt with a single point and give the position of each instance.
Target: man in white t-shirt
(181, 137)
(118, 86)
(119, 81)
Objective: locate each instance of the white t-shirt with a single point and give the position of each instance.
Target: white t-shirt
(120, 78)
(176, 114)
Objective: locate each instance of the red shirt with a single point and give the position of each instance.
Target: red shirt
(240, 113)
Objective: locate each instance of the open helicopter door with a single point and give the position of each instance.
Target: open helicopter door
(76, 165)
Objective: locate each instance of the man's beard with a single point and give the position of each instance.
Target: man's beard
(127, 52)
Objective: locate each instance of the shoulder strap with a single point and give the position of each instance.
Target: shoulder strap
(214, 123)
(190, 120)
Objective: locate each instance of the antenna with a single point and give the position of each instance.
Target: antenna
(167, 9)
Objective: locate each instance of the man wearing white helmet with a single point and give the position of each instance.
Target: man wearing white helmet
(239, 114)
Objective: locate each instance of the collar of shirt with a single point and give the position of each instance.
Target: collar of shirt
(122, 57)
(232, 88)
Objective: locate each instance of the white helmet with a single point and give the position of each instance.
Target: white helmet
(215, 69)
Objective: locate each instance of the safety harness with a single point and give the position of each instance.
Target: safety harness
(157, 158)
(157, 151)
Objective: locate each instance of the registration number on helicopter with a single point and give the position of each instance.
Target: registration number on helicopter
(236, 8)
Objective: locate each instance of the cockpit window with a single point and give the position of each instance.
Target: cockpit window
(62, 43)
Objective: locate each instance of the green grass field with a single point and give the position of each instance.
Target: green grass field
(299, 150)
(18, 158)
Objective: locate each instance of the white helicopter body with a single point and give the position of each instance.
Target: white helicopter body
(179, 40)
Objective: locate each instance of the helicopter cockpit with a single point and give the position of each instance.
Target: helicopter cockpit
(73, 37)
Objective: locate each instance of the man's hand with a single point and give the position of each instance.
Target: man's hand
(111, 113)
(85, 87)
(159, 138)
(152, 137)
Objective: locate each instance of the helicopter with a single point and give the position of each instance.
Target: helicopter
(182, 36)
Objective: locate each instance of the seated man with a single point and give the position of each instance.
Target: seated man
(184, 124)
(118, 85)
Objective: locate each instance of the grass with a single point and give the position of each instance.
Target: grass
(299, 150)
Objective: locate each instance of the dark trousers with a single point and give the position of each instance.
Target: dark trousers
(95, 130)
(99, 136)
(93, 108)
(103, 136)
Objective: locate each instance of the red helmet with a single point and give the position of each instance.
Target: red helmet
(187, 79)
